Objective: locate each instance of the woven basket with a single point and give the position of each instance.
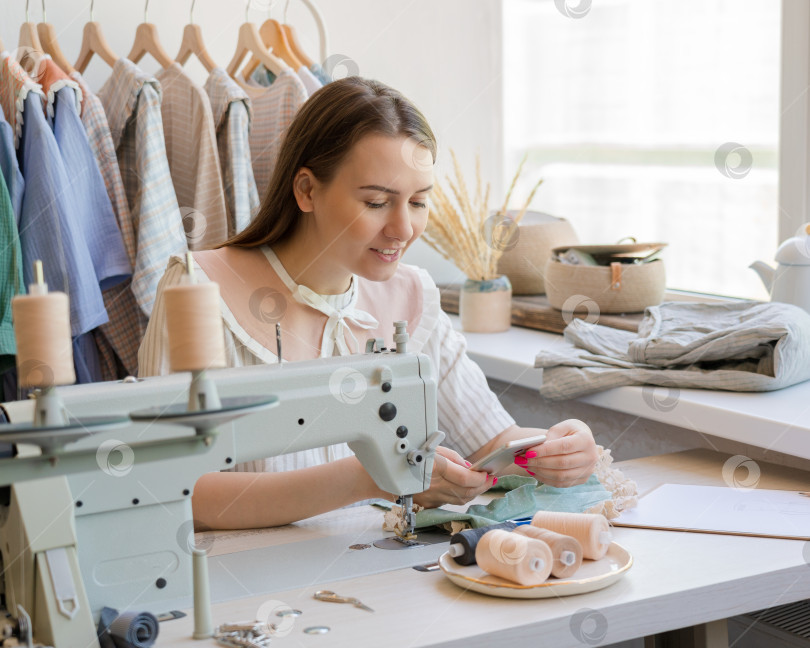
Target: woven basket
(524, 263)
(617, 288)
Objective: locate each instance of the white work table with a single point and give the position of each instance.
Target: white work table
(677, 580)
(778, 421)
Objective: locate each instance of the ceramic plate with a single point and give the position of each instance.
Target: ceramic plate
(592, 576)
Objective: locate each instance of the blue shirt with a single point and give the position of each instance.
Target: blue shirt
(50, 223)
(9, 166)
(97, 221)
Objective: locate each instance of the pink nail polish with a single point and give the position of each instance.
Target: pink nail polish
(494, 481)
(531, 473)
(530, 454)
(521, 461)
(468, 464)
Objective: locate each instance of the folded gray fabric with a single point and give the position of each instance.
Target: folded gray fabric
(737, 346)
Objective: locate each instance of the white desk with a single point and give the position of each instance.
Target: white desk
(677, 580)
(778, 421)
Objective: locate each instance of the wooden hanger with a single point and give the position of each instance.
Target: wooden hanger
(193, 44)
(50, 43)
(28, 34)
(274, 40)
(250, 42)
(93, 42)
(148, 42)
(295, 45)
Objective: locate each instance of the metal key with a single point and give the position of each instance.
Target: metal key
(326, 595)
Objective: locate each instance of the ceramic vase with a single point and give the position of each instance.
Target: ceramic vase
(486, 306)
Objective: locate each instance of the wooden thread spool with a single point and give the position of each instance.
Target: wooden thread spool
(196, 338)
(566, 550)
(515, 557)
(463, 543)
(42, 331)
(590, 529)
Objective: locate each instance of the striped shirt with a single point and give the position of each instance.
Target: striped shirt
(191, 147)
(131, 101)
(469, 413)
(273, 112)
(232, 113)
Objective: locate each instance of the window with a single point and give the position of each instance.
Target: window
(652, 119)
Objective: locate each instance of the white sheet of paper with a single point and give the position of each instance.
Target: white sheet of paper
(713, 509)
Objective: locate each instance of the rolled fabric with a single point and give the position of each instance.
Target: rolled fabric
(566, 550)
(463, 543)
(514, 557)
(590, 529)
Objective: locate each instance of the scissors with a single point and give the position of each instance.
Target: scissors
(326, 595)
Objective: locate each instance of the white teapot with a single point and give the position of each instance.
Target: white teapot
(790, 281)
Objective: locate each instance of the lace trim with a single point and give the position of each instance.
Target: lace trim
(56, 86)
(623, 490)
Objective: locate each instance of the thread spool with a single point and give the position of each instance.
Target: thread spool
(515, 557)
(590, 529)
(463, 543)
(42, 332)
(135, 629)
(196, 338)
(566, 550)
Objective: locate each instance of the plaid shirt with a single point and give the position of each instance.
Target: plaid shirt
(232, 116)
(191, 146)
(131, 102)
(119, 339)
(273, 111)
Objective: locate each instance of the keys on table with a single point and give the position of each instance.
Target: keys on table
(326, 595)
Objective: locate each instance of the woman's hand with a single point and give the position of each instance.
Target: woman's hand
(452, 482)
(566, 458)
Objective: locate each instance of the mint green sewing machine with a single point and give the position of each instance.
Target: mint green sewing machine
(99, 514)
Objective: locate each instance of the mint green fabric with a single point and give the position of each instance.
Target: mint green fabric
(523, 497)
(11, 277)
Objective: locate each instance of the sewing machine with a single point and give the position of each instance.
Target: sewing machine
(106, 520)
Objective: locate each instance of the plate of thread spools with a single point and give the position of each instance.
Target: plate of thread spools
(558, 554)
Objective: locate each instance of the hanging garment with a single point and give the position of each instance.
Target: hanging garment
(256, 294)
(131, 102)
(262, 77)
(320, 74)
(273, 112)
(11, 278)
(738, 346)
(309, 80)
(9, 166)
(313, 77)
(50, 221)
(119, 339)
(191, 147)
(232, 113)
(98, 222)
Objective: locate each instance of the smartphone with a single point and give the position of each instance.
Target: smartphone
(503, 457)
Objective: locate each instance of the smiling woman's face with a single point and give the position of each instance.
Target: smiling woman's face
(362, 220)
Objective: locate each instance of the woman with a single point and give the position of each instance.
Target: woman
(347, 198)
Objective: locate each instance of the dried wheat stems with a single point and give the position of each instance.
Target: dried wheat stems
(463, 231)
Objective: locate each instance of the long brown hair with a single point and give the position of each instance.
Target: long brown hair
(320, 137)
